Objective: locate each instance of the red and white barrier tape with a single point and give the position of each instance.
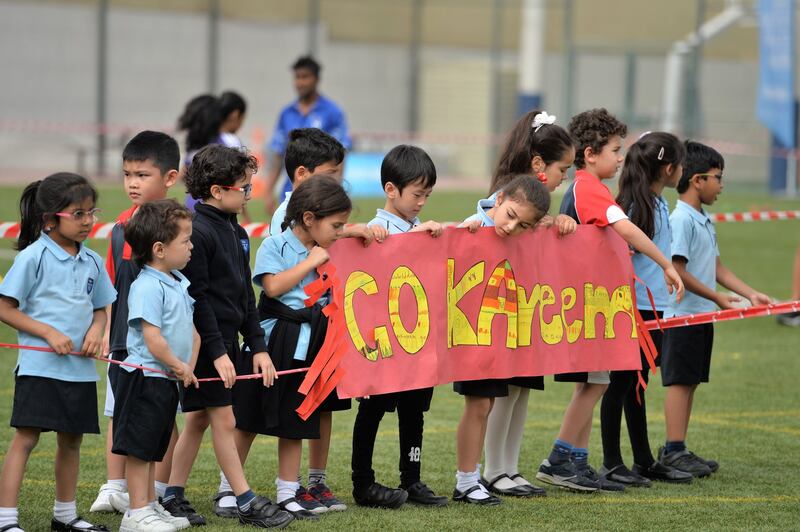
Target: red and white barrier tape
(261, 230)
(725, 315)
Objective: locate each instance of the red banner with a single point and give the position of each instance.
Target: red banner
(422, 311)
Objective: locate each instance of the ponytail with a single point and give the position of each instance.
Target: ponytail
(643, 164)
(31, 220)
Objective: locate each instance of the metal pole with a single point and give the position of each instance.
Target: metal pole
(531, 56)
(494, 63)
(414, 65)
(313, 24)
(630, 88)
(102, 85)
(569, 58)
(213, 45)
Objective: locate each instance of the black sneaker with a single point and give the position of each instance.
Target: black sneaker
(603, 484)
(308, 502)
(419, 493)
(625, 476)
(713, 465)
(660, 472)
(228, 512)
(380, 496)
(264, 514)
(323, 494)
(491, 500)
(302, 514)
(565, 475)
(684, 461)
(180, 507)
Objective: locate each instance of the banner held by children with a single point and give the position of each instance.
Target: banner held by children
(474, 306)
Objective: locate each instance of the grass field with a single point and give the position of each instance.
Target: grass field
(748, 418)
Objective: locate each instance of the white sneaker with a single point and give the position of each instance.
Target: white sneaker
(103, 502)
(145, 520)
(119, 501)
(178, 522)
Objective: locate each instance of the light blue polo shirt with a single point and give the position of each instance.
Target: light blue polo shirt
(161, 300)
(694, 238)
(63, 291)
(393, 223)
(277, 254)
(279, 215)
(647, 269)
(483, 206)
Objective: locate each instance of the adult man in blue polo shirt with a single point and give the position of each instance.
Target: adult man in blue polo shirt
(311, 109)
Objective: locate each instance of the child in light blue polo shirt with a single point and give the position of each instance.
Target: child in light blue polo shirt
(408, 176)
(55, 295)
(686, 360)
(162, 336)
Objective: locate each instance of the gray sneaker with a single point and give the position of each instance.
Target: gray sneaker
(566, 476)
(791, 319)
(684, 461)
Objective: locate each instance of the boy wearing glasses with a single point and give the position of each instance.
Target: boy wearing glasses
(219, 273)
(150, 167)
(686, 357)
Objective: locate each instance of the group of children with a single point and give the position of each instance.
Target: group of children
(179, 290)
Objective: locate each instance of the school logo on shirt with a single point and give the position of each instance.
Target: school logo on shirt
(89, 285)
(245, 244)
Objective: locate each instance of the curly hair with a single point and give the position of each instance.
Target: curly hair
(593, 129)
(217, 165)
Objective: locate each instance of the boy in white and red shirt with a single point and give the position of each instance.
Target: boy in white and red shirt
(598, 138)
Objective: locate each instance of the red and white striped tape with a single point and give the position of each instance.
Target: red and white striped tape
(261, 230)
(755, 216)
(724, 315)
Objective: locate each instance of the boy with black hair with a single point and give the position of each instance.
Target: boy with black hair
(408, 176)
(686, 357)
(159, 317)
(310, 152)
(150, 164)
(224, 307)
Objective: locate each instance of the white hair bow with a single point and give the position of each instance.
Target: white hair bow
(542, 119)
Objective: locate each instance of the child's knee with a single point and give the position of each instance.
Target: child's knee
(26, 439)
(196, 421)
(478, 407)
(68, 441)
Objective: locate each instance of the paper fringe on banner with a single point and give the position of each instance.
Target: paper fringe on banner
(325, 372)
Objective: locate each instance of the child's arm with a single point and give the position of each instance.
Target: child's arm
(434, 228)
(195, 348)
(639, 241)
(729, 280)
(106, 347)
(277, 284)
(93, 340)
(160, 349)
(694, 285)
(11, 315)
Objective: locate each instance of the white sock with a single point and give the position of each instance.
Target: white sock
(118, 483)
(287, 489)
(465, 481)
(516, 428)
(9, 516)
(228, 501)
(65, 512)
(494, 444)
(131, 511)
(160, 488)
